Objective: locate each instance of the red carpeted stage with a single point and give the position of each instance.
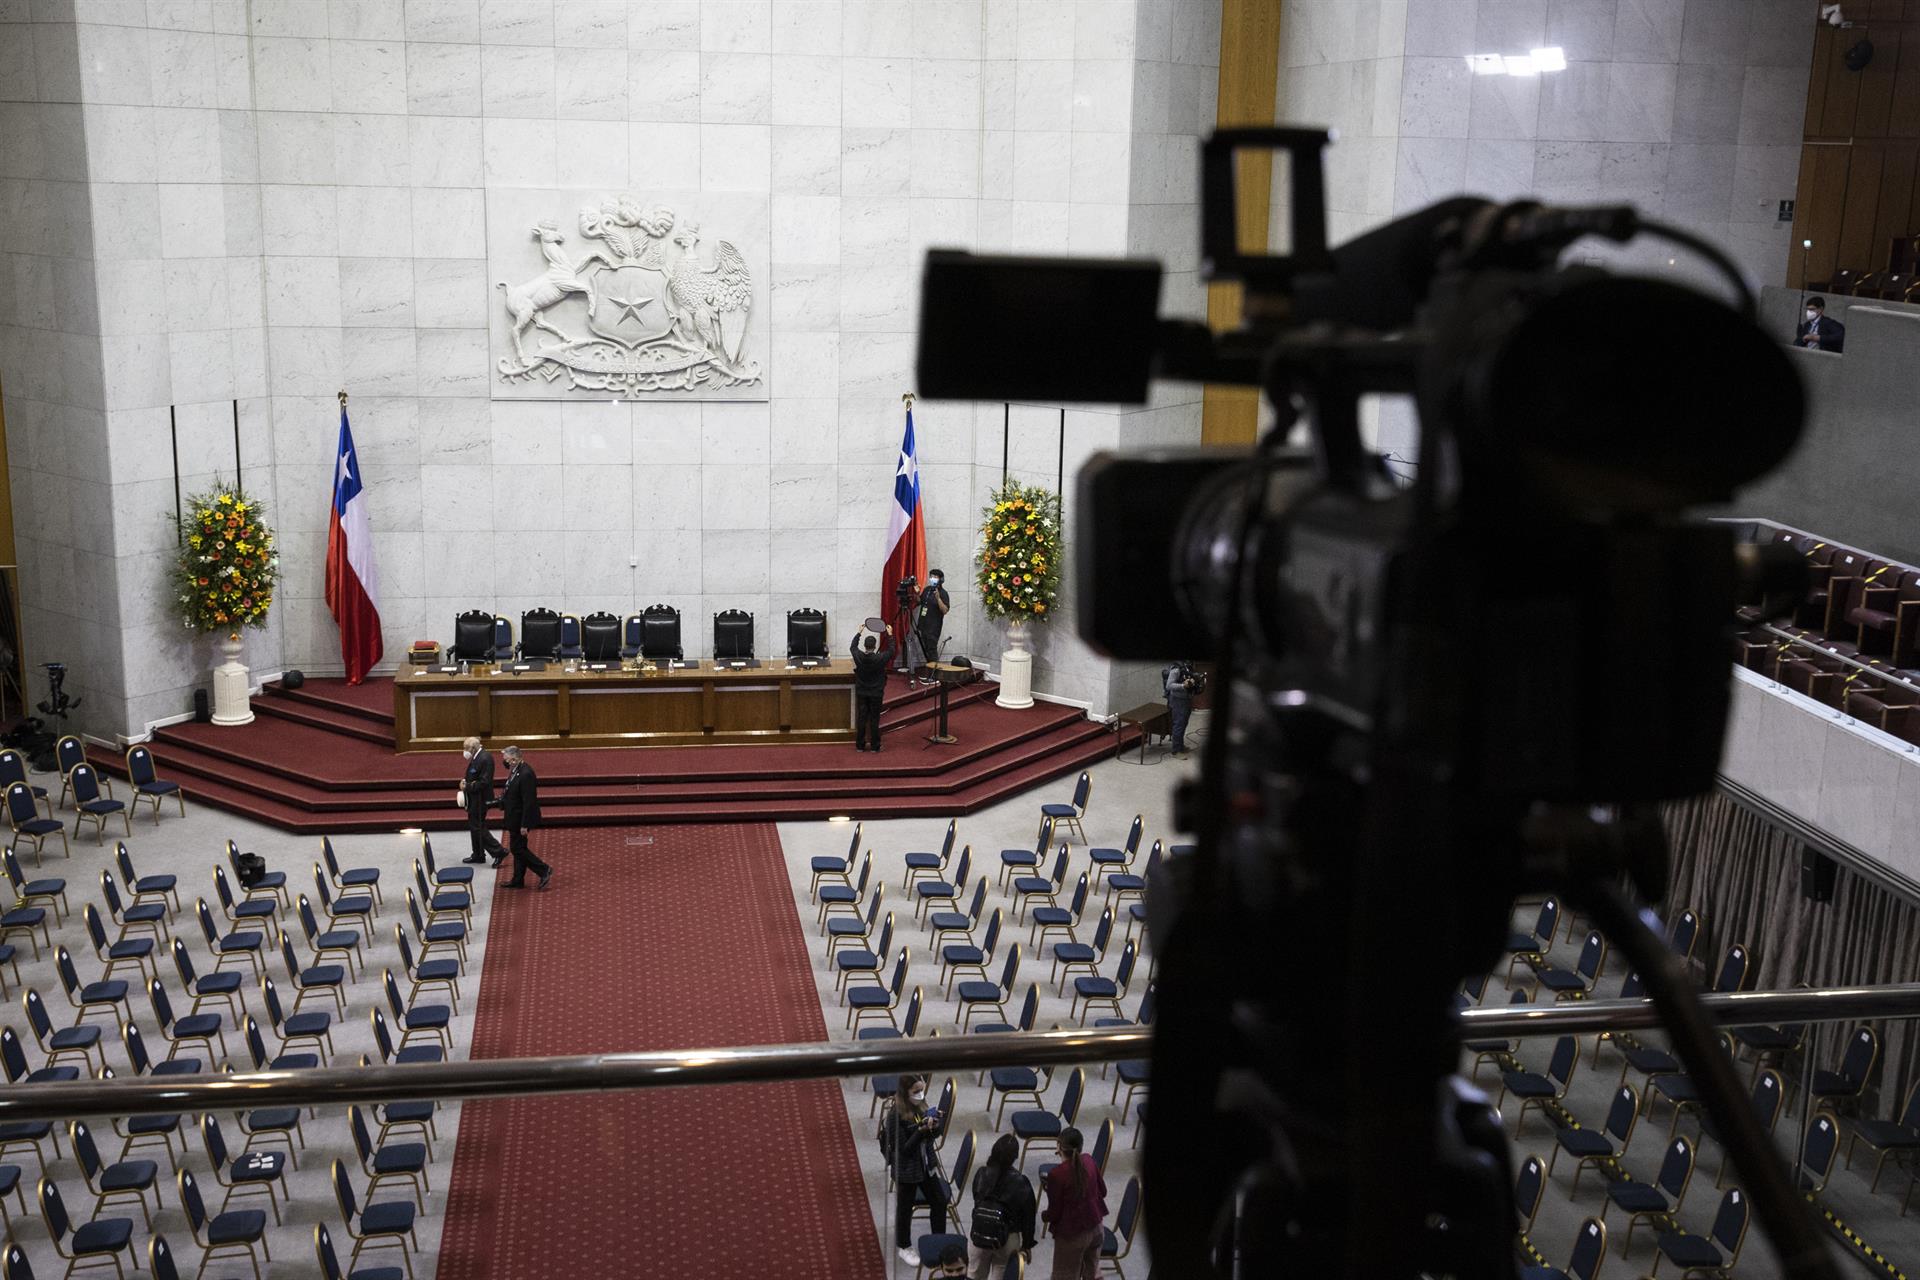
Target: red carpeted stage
(321, 759)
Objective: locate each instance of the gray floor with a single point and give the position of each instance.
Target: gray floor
(1121, 789)
(1874, 1217)
(189, 848)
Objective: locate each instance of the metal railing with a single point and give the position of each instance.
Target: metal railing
(590, 1073)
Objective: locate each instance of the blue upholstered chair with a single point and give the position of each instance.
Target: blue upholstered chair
(93, 802)
(149, 786)
(23, 815)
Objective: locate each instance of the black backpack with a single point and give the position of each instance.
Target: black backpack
(991, 1224)
(886, 1136)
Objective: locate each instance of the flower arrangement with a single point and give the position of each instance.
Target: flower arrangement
(1018, 564)
(223, 579)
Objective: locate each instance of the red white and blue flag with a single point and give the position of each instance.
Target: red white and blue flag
(353, 589)
(906, 531)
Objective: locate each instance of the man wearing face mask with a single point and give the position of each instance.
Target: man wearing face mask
(476, 797)
(930, 616)
(1819, 333)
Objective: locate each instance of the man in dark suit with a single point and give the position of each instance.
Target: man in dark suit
(520, 809)
(871, 654)
(476, 797)
(1817, 331)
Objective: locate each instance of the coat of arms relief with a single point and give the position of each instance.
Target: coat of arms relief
(636, 298)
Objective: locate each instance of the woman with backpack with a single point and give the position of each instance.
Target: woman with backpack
(907, 1135)
(1003, 1210)
(1076, 1210)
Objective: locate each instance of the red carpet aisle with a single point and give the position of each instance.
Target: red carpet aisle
(688, 941)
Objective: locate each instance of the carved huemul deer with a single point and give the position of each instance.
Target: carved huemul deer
(526, 302)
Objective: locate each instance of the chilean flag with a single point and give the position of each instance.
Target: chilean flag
(353, 589)
(906, 531)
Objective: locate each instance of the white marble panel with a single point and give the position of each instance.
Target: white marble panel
(597, 434)
(1706, 103)
(945, 163)
(443, 80)
(806, 297)
(528, 22)
(444, 151)
(378, 362)
(663, 85)
(1639, 102)
(590, 24)
(808, 27)
(664, 432)
(365, 20)
(1043, 95)
(736, 561)
(1857, 779)
(590, 83)
(732, 433)
(874, 299)
(806, 159)
(376, 222)
(1715, 32)
(372, 150)
(1648, 30)
(1500, 170)
(591, 153)
(1436, 96)
(597, 495)
(1103, 29)
(806, 90)
(525, 498)
(452, 362)
(998, 94)
(450, 224)
(1504, 107)
(517, 81)
(185, 67)
(455, 565)
(666, 497)
(1634, 173)
(734, 497)
(875, 364)
(806, 229)
(736, 88)
(455, 431)
(1779, 34)
(803, 496)
(1583, 28)
(1043, 165)
(192, 220)
(1762, 177)
(803, 430)
(1192, 96)
(1699, 178)
(1567, 171)
(876, 28)
(876, 162)
(806, 365)
(866, 498)
(200, 365)
(186, 144)
(369, 76)
(291, 74)
(597, 567)
(194, 296)
(1510, 26)
(665, 155)
(743, 26)
(996, 163)
(1442, 28)
(448, 293)
(1097, 229)
(877, 92)
(369, 292)
(1046, 29)
(519, 152)
(1772, 105)
(946, 93)
(803, 563)
(526, 432)
(735, 157)
(1573, 103)
(1103, 98)
(1430, 169)
(121, 145)
(303, 291)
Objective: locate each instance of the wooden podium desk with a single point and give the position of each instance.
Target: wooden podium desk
(434, 711)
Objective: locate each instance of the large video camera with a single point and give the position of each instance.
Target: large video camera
(1436, 694)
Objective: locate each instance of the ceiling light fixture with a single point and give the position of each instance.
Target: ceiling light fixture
(1532, 63)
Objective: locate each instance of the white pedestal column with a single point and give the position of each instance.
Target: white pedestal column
(1016, 669)
(230, 678)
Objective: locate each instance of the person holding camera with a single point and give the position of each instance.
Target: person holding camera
(907, 1134)
(929, 616)
(1003, 1211)
(1181, 684)
(476, 797)
(871, 654)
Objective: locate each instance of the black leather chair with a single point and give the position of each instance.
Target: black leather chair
(806, 634)
(660, 633)
(733, 636)
(600, 637)
(540, 634)
(473, 636)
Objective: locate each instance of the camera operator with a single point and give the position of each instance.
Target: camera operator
(930, 615)
(1181, 684)
(907, 1134)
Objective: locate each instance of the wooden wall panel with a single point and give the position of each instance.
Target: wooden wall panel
(1874, 110)
(1896, 193)
(1842, 102)
(1820, 205)
(1866, 164)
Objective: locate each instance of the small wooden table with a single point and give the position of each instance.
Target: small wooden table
(704, 703)
(1150, 718)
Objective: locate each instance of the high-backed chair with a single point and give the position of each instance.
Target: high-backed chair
(806, 634)
(632, 632)
(473, 636)
(570, 646)
(600, 638)
(540, 634)
(660, 633)
(502, 640)
(733, 636)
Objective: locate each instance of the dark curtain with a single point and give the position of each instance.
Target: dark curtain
(1742, 874)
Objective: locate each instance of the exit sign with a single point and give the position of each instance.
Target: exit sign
(1786, 211)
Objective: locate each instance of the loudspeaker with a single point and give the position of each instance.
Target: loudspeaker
(292, 678)
(1818, 873)
(202, 711)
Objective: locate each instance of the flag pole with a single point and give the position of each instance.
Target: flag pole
(343, 399)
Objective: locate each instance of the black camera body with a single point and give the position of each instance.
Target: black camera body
(906, 594)
(1436, 693)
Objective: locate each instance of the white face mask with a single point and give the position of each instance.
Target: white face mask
(469, 754)
(1812, 315)
(919, 1096)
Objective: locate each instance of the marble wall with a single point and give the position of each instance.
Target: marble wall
(271, 200)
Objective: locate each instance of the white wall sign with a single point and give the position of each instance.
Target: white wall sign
(647, 295)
